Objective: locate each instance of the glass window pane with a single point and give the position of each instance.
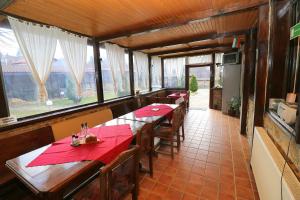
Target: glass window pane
(109, 88)
(22, 90)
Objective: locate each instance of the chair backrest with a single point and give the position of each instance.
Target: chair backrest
(176, 119)
(70, 126)
(144, 138)
(120, 177)
(119, 109)
(165, 100)
(17, 144)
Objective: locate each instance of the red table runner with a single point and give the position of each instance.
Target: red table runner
(147, 111)
(114, 140)
(178, 95)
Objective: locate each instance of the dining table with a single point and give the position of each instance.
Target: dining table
(154, 119)
(59, 181)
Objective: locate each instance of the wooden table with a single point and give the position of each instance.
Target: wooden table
(151, 119)
(57, 181)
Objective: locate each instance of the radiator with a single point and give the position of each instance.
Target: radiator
(267, 164)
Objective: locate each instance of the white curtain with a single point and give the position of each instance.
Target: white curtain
(74, 49)
(156, 72)
(37, 44)
(141, 68)
(219, 57)
(174, 72)
(116, 62)
(200, 59)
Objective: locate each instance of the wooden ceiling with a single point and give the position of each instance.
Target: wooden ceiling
(146, 25)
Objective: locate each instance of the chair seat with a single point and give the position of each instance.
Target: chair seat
(163, 132)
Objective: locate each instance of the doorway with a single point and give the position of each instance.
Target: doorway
(199, 80)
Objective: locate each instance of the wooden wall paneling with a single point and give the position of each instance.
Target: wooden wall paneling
(212, 81)
(150, 72)
(98, 71)
(131, 72)
(261, 72)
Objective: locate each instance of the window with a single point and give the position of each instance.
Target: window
(174, 72)
(115, 83)
(21, 88)
(141, 71)
(200, 59)
(156, 72)
(219, 70)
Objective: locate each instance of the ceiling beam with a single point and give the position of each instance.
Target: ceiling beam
(199, 53)
(190, 39)
(202, 17)
(187, 49)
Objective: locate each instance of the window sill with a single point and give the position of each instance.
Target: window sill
(60, 113)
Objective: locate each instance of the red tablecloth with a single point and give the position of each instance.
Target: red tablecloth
(114, 140)
(178, 95)
(147, 111)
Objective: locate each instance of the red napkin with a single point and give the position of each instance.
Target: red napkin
(147, 111)
(114, 140)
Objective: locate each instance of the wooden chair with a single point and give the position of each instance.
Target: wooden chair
(170, 133)
(165, 100)
(145, 140)
(120, 177)
(183, 107)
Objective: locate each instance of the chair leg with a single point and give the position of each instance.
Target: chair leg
(151, 163)
(172, 148)
(183, 137)
(134, 193)
(178, 139)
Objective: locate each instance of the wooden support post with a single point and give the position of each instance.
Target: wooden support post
(162, 73)
(131, 72)
(261, 72)
(247, 66)
(98, 72)
(212, 81)
(4, 109)
(150, 72)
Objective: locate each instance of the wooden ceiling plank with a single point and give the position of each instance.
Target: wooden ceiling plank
(187, 49)
(225, 12)
(198, 53)
(190, 39)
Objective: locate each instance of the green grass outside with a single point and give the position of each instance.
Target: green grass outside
(34, 108)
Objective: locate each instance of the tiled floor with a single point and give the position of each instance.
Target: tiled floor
(213, 163)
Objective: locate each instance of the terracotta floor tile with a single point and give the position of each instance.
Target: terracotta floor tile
(147, 183)
(174, 194)
(193, 188)
(189, 197)
(179, 184)
(165, 179)
(160, 189)
(155, 196)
